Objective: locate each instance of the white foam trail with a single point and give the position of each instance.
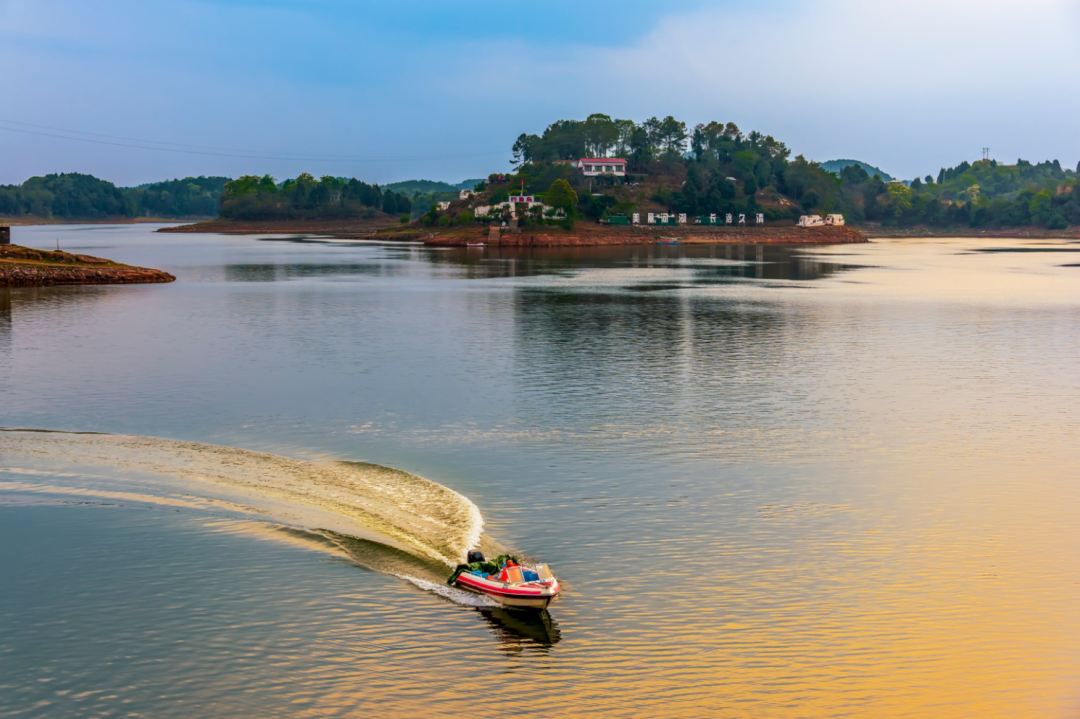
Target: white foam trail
(457, 596)
(361, 500)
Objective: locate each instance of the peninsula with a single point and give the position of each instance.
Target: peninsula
(27, 267)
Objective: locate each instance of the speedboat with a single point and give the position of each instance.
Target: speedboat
(507, 582)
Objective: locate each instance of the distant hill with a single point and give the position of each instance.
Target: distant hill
(410, 188)
(70, 196)
(834, 166)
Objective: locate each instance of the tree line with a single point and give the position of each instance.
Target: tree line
(78, 196)
(979, 194)
(252, 197)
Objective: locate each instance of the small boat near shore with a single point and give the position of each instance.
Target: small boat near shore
(507, 582)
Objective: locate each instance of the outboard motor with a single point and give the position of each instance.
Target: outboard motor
(475, 555)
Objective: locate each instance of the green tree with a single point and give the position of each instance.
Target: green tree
(1040, 208)
(562, 196)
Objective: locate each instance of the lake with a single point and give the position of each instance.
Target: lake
(775, 482)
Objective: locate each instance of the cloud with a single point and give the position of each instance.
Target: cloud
(908, 86)
(913, 85)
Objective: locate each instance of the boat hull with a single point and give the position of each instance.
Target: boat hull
(521, 596)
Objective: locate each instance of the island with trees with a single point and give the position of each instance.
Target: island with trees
(698, 180)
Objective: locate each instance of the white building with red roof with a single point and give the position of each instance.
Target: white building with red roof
(599, 166)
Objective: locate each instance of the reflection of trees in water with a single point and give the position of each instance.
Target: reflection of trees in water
(522, 631)
(277, 272)
(653, 363)
(5, 319)
(710, 263)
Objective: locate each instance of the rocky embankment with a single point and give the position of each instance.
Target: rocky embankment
(27, 267)
(596, 235)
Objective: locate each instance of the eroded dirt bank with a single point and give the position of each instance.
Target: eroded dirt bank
(27, 267)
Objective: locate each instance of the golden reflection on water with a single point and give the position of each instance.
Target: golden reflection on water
(919, 558)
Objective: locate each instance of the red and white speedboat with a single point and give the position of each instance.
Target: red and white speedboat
(514, 585)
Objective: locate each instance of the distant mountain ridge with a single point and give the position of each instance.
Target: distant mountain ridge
(834, 166)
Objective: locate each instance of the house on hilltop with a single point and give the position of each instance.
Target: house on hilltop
(600, 166)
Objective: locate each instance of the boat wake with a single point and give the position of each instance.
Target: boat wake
(382, 519)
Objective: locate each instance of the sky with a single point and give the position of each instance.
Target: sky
(408, 89)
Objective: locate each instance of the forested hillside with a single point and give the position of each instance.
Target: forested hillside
(983, 194)
(716, 168)
(73, 196)
(261, 198)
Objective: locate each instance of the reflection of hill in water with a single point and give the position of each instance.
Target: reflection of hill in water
(709, 264)
(640, 369)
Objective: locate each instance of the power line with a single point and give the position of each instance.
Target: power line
(178, 148)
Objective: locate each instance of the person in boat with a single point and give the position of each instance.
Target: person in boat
(502, 576)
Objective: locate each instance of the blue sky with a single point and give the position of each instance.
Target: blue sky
(405, 89)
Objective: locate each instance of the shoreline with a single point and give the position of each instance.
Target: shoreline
(604, 235)
(351, 228)
(27, 267)
(1024, 233)
(39, 221)
(584, 234)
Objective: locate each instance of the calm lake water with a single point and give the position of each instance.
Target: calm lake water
(790, 482)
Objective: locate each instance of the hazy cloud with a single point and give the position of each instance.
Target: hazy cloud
(910, 86)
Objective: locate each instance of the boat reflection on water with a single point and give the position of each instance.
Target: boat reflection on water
(522, 631)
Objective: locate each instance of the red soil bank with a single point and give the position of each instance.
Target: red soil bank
(26, 267)
(593, 235)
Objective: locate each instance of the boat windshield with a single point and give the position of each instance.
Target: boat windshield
(514, 576)
(543, 572)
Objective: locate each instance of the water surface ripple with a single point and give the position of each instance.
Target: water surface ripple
(777, 482)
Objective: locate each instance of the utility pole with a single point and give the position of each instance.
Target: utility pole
(986, 153)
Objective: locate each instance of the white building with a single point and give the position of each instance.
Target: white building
(811, 221)
(511, 206)
(601, 166)
(465, 194)
(837, 220)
